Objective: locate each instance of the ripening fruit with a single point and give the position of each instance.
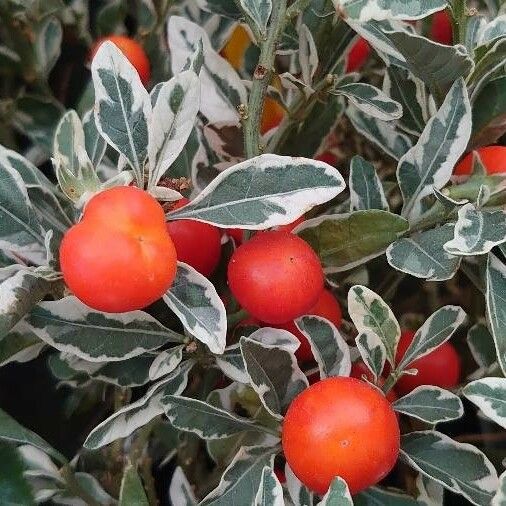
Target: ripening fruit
(119, 257)
(132, 50)
(275, 276)
(234, 52)
(358, 55)
(359, 369)
(440, 367)
(327, 157)
(493, 159)
(328, 307)
(197, 244)
(340, 427)
(441, 28)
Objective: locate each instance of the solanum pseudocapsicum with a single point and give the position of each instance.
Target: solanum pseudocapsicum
(493, 159)
(132, 50)
(358, 55)
(275, 276)
(340, 427)
(119, 257)
(197, 244)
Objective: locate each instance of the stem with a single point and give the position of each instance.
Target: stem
(459, 18)
(391, 381)
(296, 8)
(234, 318)
(261, 79)
(75, 488)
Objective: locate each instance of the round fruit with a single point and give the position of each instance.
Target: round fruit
(440, 367)
(119, 257)
(237, 234)
(272, 115)
(359, 369)
(132, 50)
(328, 307)
(441, 28)
(493, 159)
(275, 276)
(340, 427)
(358, 55)
(328, 157)
(197, 244)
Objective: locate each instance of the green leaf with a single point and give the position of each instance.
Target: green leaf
(180, 491)
(371, 314)
(409, 91)
(20, 230)
(430, 404)
(380, 133)
(436, 330)
(11, 430)
(48, 44)
(19, 345)
(366, 191)
(137, 414)
(337, 495)
(300, 495)
(270, 492)
(437, 65)
(481, 344)
(18, 295)
(435, 455)
(429, 164)
(364, 10)
(329, 348)
(146, 16)
(225, 8)
(203, 419)
(132, 492)
(477, 231)
(174, 115)
(197, 304)
(94, 143)
(232, 364)
(14, 488)
(263, 192)
(122, 106)
(488, 58)
(275, 374)
(259, 11)
(241, 479)
(423, 256)
(496, 305)
(68, 325)
(430, 493)
(489, 394)
(344, 241)
(375, 496)
(127, 373)
(308, 55)
(222, 89)
(370, 100)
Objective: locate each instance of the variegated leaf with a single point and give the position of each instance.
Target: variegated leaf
(241, 479)
(370, 100)
(436, 330)
(429, 164)
(371, 314)
(263, 192)
(489, 394)
(344, 241)
(383, 135)
(299, 494)
(68, 325)
(366, 190)
(225, 8)
(435, 455)
(373, 496)
(430, 404)
(232, 364)
(132, 491)
(496, 305)
(197, 304)
(19, 345)
(308, 55)
(275, 374)
(477, 231)
(495, 29)
(127, 373)
(137, 414)
(222, 90)
(95, 144)
(430, 492)
(364, 10)
(172, 121)
(270, 492)
(122, 106)
(259, 11)
(328, 346)
(180, 490)
(499, 498)
(165, 362)
(203, 419)
(337, 495)
(372, 350)
(481, 345)
(423, 256)
(488, 59)
(48, 44)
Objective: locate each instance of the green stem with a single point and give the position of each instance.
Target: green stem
(261, 79)
(234, 318)
(459, 21)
